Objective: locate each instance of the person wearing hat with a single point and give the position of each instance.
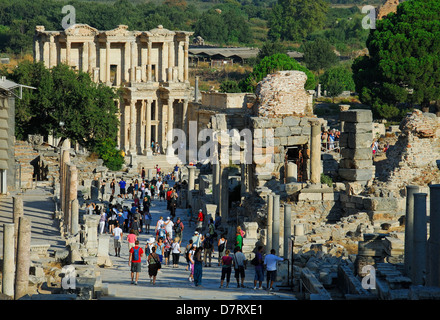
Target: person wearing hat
(196, 239)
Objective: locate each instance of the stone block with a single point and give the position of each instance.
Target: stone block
(356, 115)
(359, 140)
(297, 140)
(355, 164)
(291, 121)
(380, 204)
(355, 174)
(353, 127)
(357, 154)
(282, 132)
(310, 196)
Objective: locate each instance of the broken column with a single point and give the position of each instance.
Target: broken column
(91, 222)
(355, 143)
(23, 258)
(315, 153)
(419, 231)
(409, 218)
(70, 194)
(433, 277)
(8, 272)
(17, 207)
(276, 224)
(74, 223)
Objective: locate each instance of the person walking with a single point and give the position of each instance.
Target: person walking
(153, 265)
(160, 248)
(221, 246)
(117, 240)
(191, 262)
(239, 266)
(135, 259)
(259, 268)
(187, 250)
(196, 239)
(131, 238)
(200, 219)
(176, 252)
(198, 266)
(208, 247)
(270, 261)
(238, 240)
(178, 228)
(226, 263)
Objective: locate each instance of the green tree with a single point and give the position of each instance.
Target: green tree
(403, 66)
(62, 95)
(319, 55)
(336, 80)
(270, 48)
(271, 64)
(295, 19)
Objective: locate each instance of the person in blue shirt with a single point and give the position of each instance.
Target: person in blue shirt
(122, 185)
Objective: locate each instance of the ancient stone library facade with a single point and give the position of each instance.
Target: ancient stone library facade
(151, 66)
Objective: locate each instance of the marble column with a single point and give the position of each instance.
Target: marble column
(133, 62)
(169, 133)
(215, 179)
(224, 191)
(37, 52)
(418, 265)
(433, 270)
(107, 62)
(8, 272)
(72, 195)
(23, 258)
(185, 115)
(276, 224)
(68, 49)
(287, 230)
(269, 237)
(148, 124)
(142, 124)
(170, 61)
(17, 211)
(149, 61)
(133, 127)
(315, 153)
(74, 223)
(52, 52)
(85, 57)
(186, 61)
(92, 57)
(409, 236)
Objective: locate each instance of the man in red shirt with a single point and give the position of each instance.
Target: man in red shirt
(134, 260)
(200, 219)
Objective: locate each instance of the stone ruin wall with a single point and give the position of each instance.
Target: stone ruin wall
(282, 93)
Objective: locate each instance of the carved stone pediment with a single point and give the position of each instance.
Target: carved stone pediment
(121, 30)
(161, 31)
(81, 30)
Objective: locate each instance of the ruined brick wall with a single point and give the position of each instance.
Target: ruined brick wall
(413, 159)
(282, 93)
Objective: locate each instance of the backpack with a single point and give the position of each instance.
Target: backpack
(178, 228)
(162, 233)
(135, 254)
(207, 244)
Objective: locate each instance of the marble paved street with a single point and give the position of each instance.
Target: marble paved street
(172, 283)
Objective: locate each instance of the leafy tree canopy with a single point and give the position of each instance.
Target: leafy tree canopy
(403, 66)
(271, 64)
